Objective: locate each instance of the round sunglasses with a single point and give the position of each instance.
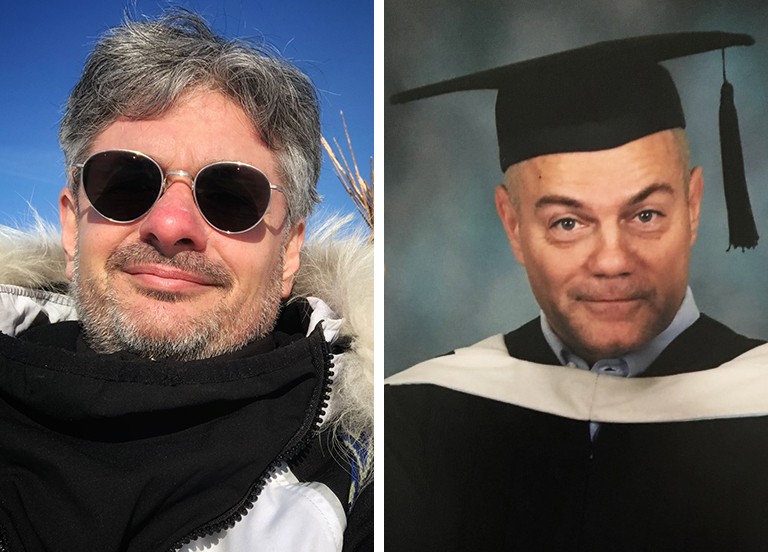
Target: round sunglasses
(123, 186)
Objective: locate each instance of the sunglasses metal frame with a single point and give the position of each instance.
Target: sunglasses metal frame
(164, 184)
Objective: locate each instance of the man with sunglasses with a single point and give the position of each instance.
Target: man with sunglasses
(192, 390)
(607, 423)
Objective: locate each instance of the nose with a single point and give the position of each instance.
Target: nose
(174, 223)
(612, 255)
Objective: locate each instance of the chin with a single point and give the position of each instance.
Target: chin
(612, 348)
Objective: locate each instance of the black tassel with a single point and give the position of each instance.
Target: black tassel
(741, 223)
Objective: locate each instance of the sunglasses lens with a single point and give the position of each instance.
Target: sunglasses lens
(121, 185)
(232, 197)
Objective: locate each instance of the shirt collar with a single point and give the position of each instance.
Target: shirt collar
(632, 363)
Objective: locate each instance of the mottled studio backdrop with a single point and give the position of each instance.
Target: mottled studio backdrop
(450, 277)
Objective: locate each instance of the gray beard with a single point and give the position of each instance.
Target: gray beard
(108, 328)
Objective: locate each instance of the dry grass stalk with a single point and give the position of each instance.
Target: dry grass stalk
(355, 185)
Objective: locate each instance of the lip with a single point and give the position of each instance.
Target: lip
(167, 278)
(610, 299)
(619, 307)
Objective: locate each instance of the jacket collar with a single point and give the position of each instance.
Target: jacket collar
(154, 451)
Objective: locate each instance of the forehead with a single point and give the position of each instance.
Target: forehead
(202, 127)
(607, 174)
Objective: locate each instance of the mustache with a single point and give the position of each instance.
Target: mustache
(189, 261)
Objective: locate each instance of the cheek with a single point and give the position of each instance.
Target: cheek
(671, 253)
(252, 270)
(96, 244)
(670, 265)
(546, 273)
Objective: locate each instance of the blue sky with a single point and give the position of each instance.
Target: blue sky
(45, 46)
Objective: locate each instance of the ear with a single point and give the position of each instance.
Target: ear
(292, 259)
(695, 193)
(510, 220)
(68, 217)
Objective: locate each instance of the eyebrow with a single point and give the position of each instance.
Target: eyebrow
(565, 201)
(649, 191)
(639, 197)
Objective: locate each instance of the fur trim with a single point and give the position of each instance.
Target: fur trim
(339, 270)
(32, 258)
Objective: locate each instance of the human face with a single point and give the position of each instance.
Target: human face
(605, 238)
(168, 284)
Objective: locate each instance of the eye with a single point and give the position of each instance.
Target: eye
(567, 224)
(648, 215)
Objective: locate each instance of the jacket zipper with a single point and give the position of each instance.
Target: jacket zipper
(3, 540)
(295, 446)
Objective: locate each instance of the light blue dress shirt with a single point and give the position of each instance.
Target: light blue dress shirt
(632, 363)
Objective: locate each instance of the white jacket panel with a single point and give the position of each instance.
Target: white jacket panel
(19, 307)
(288, 516)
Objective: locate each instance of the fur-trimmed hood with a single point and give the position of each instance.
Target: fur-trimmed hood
(335, 268)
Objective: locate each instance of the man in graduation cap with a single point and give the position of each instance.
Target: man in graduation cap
(600, 425)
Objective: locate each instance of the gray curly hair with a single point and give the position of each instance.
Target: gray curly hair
(140, 69)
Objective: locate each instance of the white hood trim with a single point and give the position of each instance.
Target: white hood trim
(734, 389)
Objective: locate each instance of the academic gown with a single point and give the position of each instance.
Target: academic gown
(465, 472)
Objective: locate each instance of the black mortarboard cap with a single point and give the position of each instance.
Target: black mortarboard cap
(602, 96)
